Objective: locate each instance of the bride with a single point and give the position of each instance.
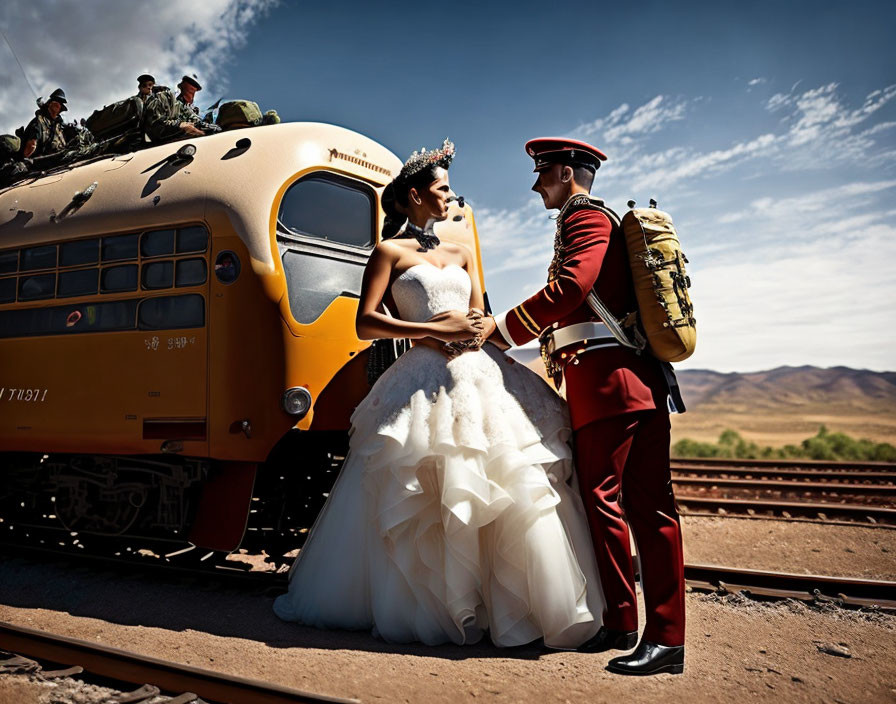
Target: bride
(453, 514)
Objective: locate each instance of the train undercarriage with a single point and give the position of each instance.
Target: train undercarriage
(167, 505)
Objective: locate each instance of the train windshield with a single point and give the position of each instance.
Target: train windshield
(326, 229)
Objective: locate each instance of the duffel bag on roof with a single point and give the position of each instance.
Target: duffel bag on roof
(116, 119)
(238, 113)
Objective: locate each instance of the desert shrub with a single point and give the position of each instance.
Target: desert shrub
(824, 445)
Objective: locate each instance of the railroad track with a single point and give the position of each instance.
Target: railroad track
(836, 492)
(844, 591)
(170, 677)
(784, 464)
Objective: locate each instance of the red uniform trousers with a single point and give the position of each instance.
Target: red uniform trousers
(623, 470)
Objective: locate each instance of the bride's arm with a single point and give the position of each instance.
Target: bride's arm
(371, 323)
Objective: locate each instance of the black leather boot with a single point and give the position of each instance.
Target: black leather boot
(609, 639)
(650, 659)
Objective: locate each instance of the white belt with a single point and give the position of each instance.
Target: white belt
(588, 335)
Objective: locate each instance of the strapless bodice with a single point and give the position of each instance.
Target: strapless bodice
(424, 290)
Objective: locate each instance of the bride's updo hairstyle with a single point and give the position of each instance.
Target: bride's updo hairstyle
(418, 172)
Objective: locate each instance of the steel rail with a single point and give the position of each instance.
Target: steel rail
(785, 485)
(877, 514)
(820, 464)
(784, 585)
(127, 666)
(806, 474)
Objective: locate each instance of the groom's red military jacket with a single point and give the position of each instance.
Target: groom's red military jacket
(608, 381)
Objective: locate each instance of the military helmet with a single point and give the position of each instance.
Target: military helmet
(59, 96)
(192, 81)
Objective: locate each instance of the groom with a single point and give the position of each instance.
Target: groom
(617, 404)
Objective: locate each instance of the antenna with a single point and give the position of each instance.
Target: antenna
(36, 97)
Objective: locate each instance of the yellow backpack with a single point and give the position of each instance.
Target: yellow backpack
(665, 314)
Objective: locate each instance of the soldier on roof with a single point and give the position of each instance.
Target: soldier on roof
(43, 135)
(145, 83)
(167, 118)
(188, 87)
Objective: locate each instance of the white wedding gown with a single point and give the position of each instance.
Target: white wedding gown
(453, 513)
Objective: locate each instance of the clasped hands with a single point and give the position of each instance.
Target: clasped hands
(461, 331)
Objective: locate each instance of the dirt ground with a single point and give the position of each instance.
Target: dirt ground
(787, 546)
(736, 648)
(777, 428)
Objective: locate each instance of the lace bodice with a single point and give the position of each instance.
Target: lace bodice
(425, 290)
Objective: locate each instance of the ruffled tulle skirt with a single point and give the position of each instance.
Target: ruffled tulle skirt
(453, 514)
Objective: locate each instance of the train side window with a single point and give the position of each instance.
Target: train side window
(38, 258)
(81, 282)
(192, 239)
(329, 208)
(9, 261)
(79, 252)
(119, 278)
(190, 272)
(33, 288)
(158, 275)
(120, 247)
(87, 317)
(168, 312)
(8, 290)
(157, 243)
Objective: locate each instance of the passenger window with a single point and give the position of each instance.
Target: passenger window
(32, 288)
(190, 272)
(38, 258)
(192, 239)
(8, 290)
(330, 208)
(158, 275)
(168, 312)
(80, 252)
(82, 282)
(9, 262)
(119, 278)
(120, 247)
(155, 244)
(87, 317)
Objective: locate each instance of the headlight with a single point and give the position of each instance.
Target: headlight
(296, 401)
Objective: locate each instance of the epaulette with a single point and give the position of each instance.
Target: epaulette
(587, 202)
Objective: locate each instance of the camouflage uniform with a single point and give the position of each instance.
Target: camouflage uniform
(47, 132)
(162, 115)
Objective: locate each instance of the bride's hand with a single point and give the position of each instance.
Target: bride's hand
(456, 325)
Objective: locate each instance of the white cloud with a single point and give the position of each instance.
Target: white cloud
(621, 123)
(96, 50)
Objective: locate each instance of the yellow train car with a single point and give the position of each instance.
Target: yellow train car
(177, 333)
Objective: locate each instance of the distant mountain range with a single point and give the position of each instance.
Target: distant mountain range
(788, 404)
(781, 405)
(790, 387)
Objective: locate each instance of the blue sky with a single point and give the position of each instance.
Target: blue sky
(767, 130)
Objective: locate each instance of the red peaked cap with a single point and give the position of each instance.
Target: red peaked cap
(559, 150)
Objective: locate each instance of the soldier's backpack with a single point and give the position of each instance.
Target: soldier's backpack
(10, 146)
(237, 114)
(117, 119)
(664, 321)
